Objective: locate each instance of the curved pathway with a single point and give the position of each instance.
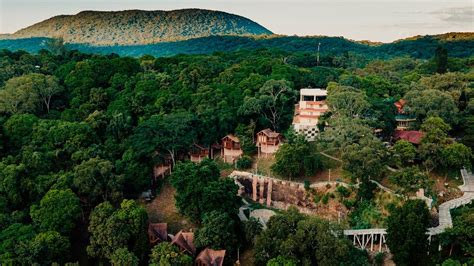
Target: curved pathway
(362, 237)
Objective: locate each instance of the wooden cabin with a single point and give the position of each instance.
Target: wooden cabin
(231, 150)
(268, 142)
(185, 242)
(198, 153)
(210, 257)
(157, 233)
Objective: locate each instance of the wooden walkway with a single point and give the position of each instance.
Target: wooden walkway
(364, 238)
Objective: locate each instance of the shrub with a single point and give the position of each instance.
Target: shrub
(244, 162)
(343, 191)
(325, 199)
(348, 203)
(307, 185)
(317, 198)
(379, 258)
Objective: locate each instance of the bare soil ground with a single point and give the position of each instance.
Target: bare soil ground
(162, 209)
(247, 257)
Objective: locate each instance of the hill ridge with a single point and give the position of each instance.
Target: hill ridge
(132, 27)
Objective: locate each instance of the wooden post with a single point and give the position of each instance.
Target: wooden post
(269, 192)
(371, 242)
(254, 188)
(262, 189)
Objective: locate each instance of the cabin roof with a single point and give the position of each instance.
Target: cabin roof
(211, 257)
(184, 240)
(158, 232)
(232, 137)
(269, 133)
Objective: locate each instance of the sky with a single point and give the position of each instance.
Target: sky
(375, 20)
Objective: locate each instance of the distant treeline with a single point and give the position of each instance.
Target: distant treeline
(422, 47)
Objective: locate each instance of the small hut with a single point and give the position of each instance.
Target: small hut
(185, 242)
(268, 142)
(157, 233)
(210, 257)
(198, 153)
(231, 148)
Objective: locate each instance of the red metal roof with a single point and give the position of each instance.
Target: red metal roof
(411, 136)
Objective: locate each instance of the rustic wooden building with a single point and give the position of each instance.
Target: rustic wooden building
(185, 242)
(198, 153)
(268, 142)
(210, 257)
(157, 233)
(231, 150)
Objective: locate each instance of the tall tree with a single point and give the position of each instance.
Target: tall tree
(58, 211)
(19, 96)
(347, 101)
(199, 190)
(410, 179)
(441, 59)
(295, 159)
(112, 229)
(95, 180)
(430, 102)
(168, 134)
(122, 256)
(45, 248)
(406, 233)
(218, 231)
(272, 102)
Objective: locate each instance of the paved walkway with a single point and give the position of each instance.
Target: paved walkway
(445, 219)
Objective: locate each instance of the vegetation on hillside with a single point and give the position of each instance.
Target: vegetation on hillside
(81, 133)
(140, 27)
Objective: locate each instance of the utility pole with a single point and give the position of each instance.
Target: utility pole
(317, 56)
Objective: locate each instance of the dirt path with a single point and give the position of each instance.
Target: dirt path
(162, 209)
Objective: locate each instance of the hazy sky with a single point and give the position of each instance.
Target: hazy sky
(376, 20)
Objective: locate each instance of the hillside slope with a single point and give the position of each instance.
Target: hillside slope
(133, 27)
(420, 47)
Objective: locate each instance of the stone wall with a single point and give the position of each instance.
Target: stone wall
(274, 192)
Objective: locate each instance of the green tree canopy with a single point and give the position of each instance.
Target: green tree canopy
(165, 254)
(58, 211)
(122, 256)
(199, 190)
(406, 233)
(299, 158)
(218, 231)
(111, 229)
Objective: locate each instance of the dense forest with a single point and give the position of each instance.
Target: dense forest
(80, 134)
(422, 47)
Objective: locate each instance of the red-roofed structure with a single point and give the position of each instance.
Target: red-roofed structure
(210, 257)
(157, 232)
(400, 104)
(411, 136)
(184, 241)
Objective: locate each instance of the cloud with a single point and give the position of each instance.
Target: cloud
(458, 15)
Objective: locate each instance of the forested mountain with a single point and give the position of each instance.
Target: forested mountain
(140, 27)
(457, 44)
